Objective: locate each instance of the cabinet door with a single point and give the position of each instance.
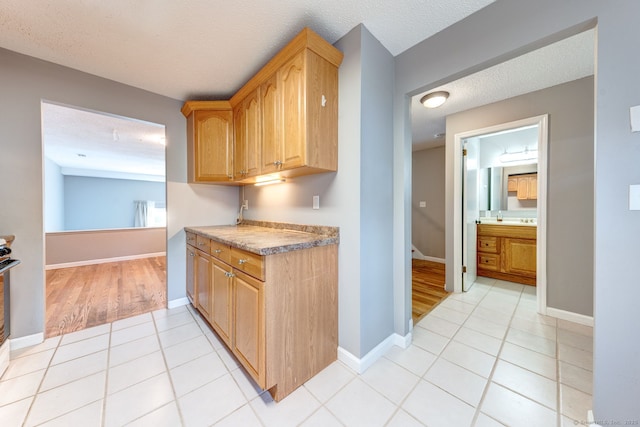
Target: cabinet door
(523, 188)
(239, 144)
(512, 184)
(520, 256)
(271, 125)
(292, 92)
(247, 137)
(213, 145)
(203, 283)
(252, 133)
(222, 293)
(249, 327)
(533, 187)
(191, 280)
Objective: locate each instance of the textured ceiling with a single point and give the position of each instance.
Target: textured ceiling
(561, 62)
(85, 143)
(202, 48)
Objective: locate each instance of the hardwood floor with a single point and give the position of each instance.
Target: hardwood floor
(427, 287)
(91, 295)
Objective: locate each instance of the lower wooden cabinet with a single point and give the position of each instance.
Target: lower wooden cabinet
(248, 320)
(191, 282)
(222, 284)
(507, 252)
(278, 314)
(203, 280)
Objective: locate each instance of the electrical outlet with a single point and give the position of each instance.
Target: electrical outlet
(316, 202)
(245, 205)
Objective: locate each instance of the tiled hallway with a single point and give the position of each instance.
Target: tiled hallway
(483, 358)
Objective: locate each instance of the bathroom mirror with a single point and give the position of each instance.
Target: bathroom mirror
(491, 189)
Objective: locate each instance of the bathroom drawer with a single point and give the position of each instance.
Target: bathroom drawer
(488, 244)
(488, 262)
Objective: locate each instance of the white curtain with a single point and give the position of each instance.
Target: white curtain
(143, 207)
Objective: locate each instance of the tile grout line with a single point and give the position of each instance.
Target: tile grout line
(495, 364)
(103, 418)
(35, 395)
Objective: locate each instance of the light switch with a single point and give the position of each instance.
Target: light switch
(634, 197)
(635, 118)
(423, 204)
(316, 202)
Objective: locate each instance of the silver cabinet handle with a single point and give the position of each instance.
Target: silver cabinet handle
(192, 254)
(242, 261)
(228, 274)
(218, 251)
(277, 163)
(202, 244)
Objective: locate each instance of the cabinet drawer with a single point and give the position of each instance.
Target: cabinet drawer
(248, 262)
(488, 244)
(221, 251)
(191, 239)
(203, 244)
(488, 262)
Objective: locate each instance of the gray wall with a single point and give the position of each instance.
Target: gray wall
(24, 83)
(70, 247)
(497, 33)
(570, 182)
(53, 197)
(357, 198)
(427, 184)
(101, 203)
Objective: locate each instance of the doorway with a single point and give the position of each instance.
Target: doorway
(104, 215)
(467, 210)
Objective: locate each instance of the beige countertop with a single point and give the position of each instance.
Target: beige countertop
(268, 238)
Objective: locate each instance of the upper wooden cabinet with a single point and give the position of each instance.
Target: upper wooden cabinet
(525, 185)
(247, 137)
(209, 141)
(283, 121)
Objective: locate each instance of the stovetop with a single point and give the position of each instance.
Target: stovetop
(8, 263)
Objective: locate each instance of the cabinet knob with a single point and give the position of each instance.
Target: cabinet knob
(242, 261)
(202, 244)
(228, 274)
(217, 251)
(277, 163)
(192, 254)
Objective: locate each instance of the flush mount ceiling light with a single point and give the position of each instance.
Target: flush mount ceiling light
(434, 99)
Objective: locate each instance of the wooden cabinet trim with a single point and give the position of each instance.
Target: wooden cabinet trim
(191, 106)
(306, 39)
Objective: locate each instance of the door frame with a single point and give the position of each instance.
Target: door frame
(541, 247)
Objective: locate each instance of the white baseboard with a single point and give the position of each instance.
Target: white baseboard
(362, 364)
(415, 253)
(103, 260)
(177, 302)
(571, 317)
(27, 341)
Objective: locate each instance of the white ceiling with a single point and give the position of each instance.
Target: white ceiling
(561, 62)
(208, 50)
(203, 48)
(86, 143)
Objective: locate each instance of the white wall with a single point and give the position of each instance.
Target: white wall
(24, 83)
(53, 196)
(100, 203)
(357, 198)
(499, 32)
(570, 189)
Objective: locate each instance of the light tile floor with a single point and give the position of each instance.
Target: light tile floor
(482, 358)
